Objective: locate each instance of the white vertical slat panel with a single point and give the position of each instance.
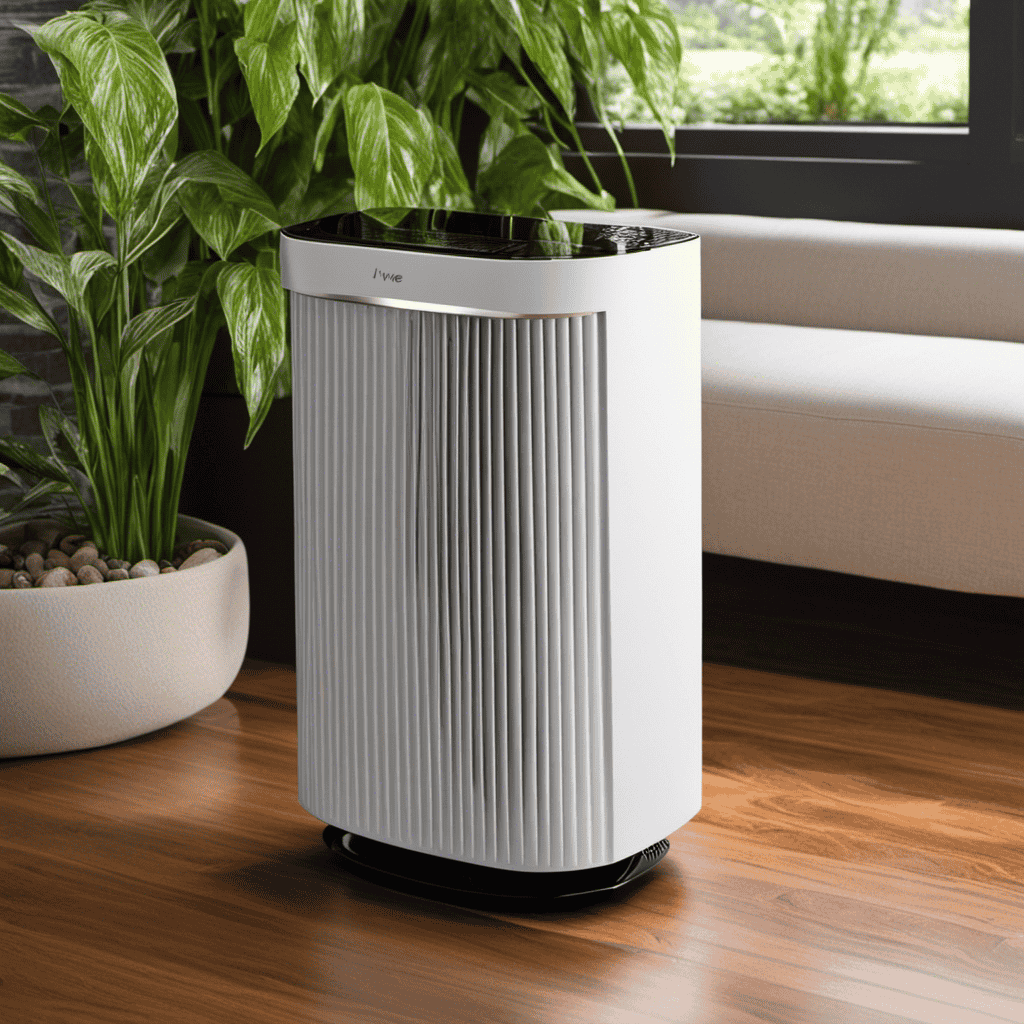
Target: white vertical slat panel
(452, 581)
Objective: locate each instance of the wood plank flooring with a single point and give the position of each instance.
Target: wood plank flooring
(859, 858)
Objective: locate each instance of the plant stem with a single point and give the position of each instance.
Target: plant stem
(410, 43)
(212, 100)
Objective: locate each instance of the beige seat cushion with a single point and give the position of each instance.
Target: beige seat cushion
(894, 456)
(959, 282)
(894, 450)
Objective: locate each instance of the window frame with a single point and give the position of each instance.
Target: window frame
(969, 175)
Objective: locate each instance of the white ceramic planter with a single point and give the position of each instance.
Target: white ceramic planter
(89, 665)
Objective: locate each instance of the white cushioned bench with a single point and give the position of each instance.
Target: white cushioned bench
(863, 396)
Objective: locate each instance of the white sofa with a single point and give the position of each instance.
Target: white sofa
(863, 396)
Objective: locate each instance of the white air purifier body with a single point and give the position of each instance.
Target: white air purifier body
(498, 546)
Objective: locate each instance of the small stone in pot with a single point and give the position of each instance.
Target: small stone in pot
(118, 563)
(184, 550)
(6, 578)
(6, 555)
(55, 557)
(71, 543)
(117, 574)
(34, 565)
(167, 568)
(59, 577)
(34, 547)
(147, 567)
(85, 555)
(89, 574)
(22, 580)
(200, 557)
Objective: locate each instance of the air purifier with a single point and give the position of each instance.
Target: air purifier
(497, 548)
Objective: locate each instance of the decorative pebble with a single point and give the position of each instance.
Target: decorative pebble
(71, 543)
(59, 577)
(200, 557)
(89, 574)
(34, 565)
(30, 555)
(57, 557)
(184, 550)
(85, 555)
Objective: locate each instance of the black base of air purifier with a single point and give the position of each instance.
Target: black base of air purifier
(486, 888)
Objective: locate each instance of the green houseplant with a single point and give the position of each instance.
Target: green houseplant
(192, 130)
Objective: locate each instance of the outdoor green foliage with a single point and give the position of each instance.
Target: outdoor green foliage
(193, 129)
(820, 63)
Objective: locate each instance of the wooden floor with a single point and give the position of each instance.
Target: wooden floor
(859, 858)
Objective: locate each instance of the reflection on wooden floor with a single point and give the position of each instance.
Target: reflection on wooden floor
(859, 858)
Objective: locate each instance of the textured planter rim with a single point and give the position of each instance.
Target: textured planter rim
(85, 666)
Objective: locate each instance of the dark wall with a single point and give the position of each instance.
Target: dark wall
(27, 74)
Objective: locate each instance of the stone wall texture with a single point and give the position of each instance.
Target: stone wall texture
(27, 74)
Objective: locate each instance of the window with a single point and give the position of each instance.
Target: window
(759, 61)
(926, 173)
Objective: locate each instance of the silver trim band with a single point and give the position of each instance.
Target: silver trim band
(438, 307)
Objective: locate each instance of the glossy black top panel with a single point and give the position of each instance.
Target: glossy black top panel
(492, 236)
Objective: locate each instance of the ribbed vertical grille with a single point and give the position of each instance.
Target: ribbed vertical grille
(452, 582)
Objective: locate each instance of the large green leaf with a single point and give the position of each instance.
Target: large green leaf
(10, 367)
(518, 180)
(28, 311)
(261, 18)
(117, 79)
(542, 40)
(67, 276)
(221, 201)
(333, 102)
(34, 501)
(147, 334)
(269, 69)
(329, 32)
(462, 36)
(644, 37)
(391, 146)
(448, 188)
(151, 325)
(16, 119)
(53, 269)
(25, 457)
(148, 222)
(254, 305)
(161, 18)
(499, 95)
(11, 184)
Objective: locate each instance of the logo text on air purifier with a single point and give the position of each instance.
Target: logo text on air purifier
(397, 278)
